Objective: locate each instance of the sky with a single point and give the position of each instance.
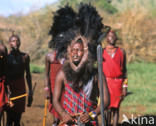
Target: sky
(8, 7)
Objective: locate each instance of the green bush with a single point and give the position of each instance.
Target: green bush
(36, 68)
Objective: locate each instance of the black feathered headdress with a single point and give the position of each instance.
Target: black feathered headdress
(64, 19)
(68, 24)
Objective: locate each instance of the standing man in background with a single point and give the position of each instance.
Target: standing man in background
(114, 68)
(53, 65)
(54, 61)
(3, 96)
(16, 66)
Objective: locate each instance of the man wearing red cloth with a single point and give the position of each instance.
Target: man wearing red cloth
(16, 66)
(3, 96)
(80, 85)
(53, 61)
(53, 65)
(114, 68)
(75, 35)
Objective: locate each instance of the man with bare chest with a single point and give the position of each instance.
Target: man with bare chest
(17, 65)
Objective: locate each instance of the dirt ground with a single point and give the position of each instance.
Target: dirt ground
(34, 115)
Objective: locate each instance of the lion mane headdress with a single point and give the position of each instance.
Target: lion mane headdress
(68, 25)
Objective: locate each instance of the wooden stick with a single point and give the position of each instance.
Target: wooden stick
(17, 97)
(45, 112)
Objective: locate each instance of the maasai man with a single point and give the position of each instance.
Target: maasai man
(3, 95)
(17, 64)
(53, 61)
(114, 68)
(53, 65)
(78, 76)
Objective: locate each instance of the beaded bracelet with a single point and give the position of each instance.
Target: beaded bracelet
(92, 115)
(125, 86)
(125, 81)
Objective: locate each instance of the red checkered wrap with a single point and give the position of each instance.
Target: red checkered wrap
(78, 102)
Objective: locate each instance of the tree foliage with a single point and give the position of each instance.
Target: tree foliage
(103, 4)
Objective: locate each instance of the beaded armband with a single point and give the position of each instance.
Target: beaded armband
(92, 115)
(125, 83)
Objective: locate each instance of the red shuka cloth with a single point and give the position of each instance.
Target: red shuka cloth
(78, 102)
(54, 68)
(112, 68)
(18, 88)
(3, 96)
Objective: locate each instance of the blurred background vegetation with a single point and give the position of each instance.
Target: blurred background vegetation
(135, 24)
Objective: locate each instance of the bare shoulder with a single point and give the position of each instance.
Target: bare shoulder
(61, 76)
(50, 56)
(61, 73)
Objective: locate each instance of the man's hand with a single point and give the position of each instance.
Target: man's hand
(10, 104)
(124, 93)
(30, 99)
(47, 92)
(66, 118)
(84, 117)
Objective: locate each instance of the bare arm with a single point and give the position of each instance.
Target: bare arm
(47, 73)
(124, 64)
(106, 93)
(125, 81)
(28, 74)
(59, 83)
(50, 57)
(28, 78)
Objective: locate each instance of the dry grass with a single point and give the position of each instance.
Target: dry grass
(137, 33)
(134, 25)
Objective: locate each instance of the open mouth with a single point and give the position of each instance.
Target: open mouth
(75, 57)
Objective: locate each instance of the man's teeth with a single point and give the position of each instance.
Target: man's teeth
(75, 56)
